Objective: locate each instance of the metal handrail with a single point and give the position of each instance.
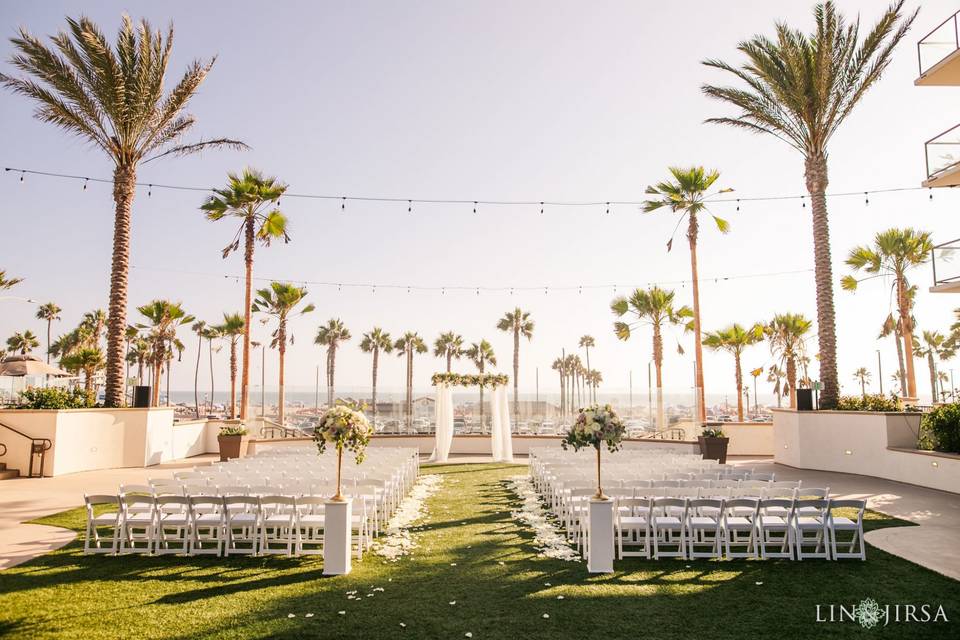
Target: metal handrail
(920, 43)
(933, 260)
(38, 446)
(661, 435)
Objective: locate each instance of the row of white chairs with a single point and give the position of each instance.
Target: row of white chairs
(738, 528)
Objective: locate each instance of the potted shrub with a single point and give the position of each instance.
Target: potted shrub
(233, 442)
(713, 445)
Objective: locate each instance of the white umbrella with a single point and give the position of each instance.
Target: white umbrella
(24, 365)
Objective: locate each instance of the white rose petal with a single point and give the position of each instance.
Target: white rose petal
(546, 615)
(468, 635)
(291, 615)
(559, 597)
(342, 613)
(309, 615)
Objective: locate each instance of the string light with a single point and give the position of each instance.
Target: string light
(85, 181)
(22, 173)
(931, 193)
(409, 206)
(149, 190)
(866, 198)
(608, 208)
(343, 203)
(804, 199)
(541, 208)
(474, 206)
(738, 204)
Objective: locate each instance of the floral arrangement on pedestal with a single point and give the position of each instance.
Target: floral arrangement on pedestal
(492, 380)
(345, 427)
(595, 426)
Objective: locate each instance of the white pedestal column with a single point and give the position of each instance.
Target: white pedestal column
(337, 531)
(600, 548)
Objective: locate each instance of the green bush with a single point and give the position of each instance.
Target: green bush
(940, 429)
(56, 398)
(875, 402)
(234, 430)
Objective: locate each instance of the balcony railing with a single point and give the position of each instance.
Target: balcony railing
(937, 45)
(946, 273)
(943, 158)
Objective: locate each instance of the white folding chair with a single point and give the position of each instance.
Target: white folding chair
(310, 520)
(278, 525)
(668, 517)
(113, 520)
(703, 528)
(738, 522)
(774, 528)
(242, 524)
(810, 527)
(633, 527)
(138, 508)
(855, 548)
(207, 525)
(172, 532)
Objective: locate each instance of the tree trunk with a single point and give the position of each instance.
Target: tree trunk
(692, 230)
(903, 373)
(248, 294)
(88, 381)
(516, 373)
(863, 388)
(816, 179)
(210, 351)
(592, 395)
(904, 304)
(124, 187)
(481, 398)
(449, 359)
(233, 378)
(282, 347)
(157, 376)
(376, 358)
(792, 380)
(331, 392)
(739, 389)
(408, 405)
(48, 347)
(563, 398)
(933, 376)
(658, 365)
(196, 378)
(169, 362)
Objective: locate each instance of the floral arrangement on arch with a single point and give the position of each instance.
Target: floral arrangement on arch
(345, 427)
(595, 426)
(470, 379)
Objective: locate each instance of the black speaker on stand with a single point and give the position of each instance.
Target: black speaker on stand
(141, 396)
(804, 399)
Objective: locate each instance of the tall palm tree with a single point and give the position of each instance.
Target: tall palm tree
(279, 300)
(92, 326)
(407, 345)
(687, 195)
(800, 89)
(89, 360)
(653, 307)
(164, 317)
(786, 333)
(113, 99)
(199, 327)
(232, 329)
(48, 312)
(448, 345)
(137, 354)
(330, 335)
(22, 343)
(894, 252)
(130, 334)
(8, 283)
(862, 375)
(518, 323)
(892, 327)
(375, 341)
(559, 366)
(594, 378)
(756, 396)
(943, 379)
(253, 198)
(734, 339)
(587, 341)
(211, 333)
(174, 345)
(777, 376)
(935, 347)
(481, 354)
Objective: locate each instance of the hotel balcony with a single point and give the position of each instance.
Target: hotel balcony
(943, 159)
(939, 55)
(946, 273)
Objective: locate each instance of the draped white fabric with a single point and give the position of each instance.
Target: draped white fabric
(443, 418)
(501, 443)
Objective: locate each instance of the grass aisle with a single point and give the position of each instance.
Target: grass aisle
(467, 535)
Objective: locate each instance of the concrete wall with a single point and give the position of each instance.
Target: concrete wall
(749, 438)
(88, 439)
(866, 443)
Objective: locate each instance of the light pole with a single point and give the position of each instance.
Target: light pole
(880, 371)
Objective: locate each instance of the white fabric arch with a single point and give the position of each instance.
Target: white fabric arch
(501, 442)
(443, 419)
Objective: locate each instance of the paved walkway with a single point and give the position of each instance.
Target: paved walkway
(932, 544)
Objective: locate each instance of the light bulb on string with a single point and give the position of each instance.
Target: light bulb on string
(409, 206)
(738, 204)
(541, 208)
(866, 198)
(931, 193)
(478, 290)
(22, 174)
(608, 208)
(339, 288)
(343, 203)
(580, 289)
(474, 206)
(803, 199)
(85, 181)
(149, 190)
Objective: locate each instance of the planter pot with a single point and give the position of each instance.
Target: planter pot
(714, 448)
(232, 447)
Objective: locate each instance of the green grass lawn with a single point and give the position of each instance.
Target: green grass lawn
(467, 535)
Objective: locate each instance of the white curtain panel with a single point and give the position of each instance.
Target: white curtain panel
(443, 418)
(496, 433)
(506, 440)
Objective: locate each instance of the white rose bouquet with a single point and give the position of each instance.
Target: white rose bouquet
(344, 427)
(595, 426)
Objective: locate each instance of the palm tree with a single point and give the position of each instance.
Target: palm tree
(653, 307)
(943, 378)
(48, 313)
(164, 317)
(174, 345)
(130, 334)
(481, 354)
(734, 339)
(8, 283)
(331, 335)
(233, 328)
(935, 347)
(786, 333)
(211, 333)
(559, 367)
(279, 300)
(89, 360)
(891, 327)
(253, 198)
(863, 376)
(448, 345)
(587, 341)
(687, 195)
(92, 326)
(894, 252)
(137, 354)
(519, 323)
(594, 378)
(800, 89)
(22, 343)
(375, 341)
(199, 327)
(113, 100)
(407, 345)
(756, 399)
(777, 376)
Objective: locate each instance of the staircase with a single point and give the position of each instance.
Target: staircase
(6, 474)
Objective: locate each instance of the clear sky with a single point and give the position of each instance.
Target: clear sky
(479, 100)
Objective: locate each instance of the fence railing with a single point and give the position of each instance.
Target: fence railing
(938, 44)
(943, 262)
